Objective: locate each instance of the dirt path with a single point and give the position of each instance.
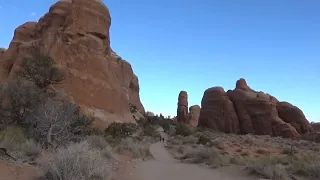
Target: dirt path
(10, 171)
(165, 167)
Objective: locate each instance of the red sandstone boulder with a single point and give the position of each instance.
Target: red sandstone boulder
(194, 114)
(76, 34)
(217, 111)
(294, 116)
(182, 110)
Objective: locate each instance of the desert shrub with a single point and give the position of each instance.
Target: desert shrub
(175, 140)
(150, 130)
(24, 97)
(269, 170)
(184, 129)
(97, 142)
(208, 156)
(121, 130)
(101, 143)
(58, 123)
(262, 151)
(138, 149)
(189, 140)
(205, 140)
(77, 162)
(13, 134)
(248, 139)
(133, 108)
(244, 153)
(218, 143)
(41, 70)
(31, 148)
(308, 166)
(240, 160)
(164, 123)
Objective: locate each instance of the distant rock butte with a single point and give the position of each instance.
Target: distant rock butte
(245, 111)
(76, 34)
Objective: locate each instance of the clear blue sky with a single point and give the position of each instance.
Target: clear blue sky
(193, 45)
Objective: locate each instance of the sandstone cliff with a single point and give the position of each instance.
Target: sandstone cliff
(75, 33)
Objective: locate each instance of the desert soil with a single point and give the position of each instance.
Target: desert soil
(165, 167)
(10, 171)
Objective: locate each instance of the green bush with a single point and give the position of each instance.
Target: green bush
(13, 134)
(41, 70)
(205, 140)
(121, 130)
(184, 129)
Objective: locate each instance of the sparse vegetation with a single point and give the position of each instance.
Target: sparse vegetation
(137, 148)
(269, 157)
(78, 162)
(41, 70)
(184, 129)
(207, 155)
(57, 123)
(121, 130)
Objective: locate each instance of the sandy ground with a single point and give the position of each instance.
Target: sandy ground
(10, 171)
(162, 167)
(165, 167)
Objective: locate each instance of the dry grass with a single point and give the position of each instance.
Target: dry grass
(139, 149)
(78, 162)
(207, 155)
(31, 149)
(270, 171)
(270, 157)
(22, 150)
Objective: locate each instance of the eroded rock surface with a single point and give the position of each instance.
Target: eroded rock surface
(182, 110)
(244, 110)
(76, 34)
(194, 114)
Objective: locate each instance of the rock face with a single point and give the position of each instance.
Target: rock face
(217, 111)
(182, 110)
(194, 114)
(76, 34)
(294, 116)
(244, 110)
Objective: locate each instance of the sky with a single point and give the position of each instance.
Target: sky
(194, 45)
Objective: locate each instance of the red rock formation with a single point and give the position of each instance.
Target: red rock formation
(247, 111)
(294, 116)
(182, 110)
(2, 50)
(76, 34)
(194, 114)
(217, 111)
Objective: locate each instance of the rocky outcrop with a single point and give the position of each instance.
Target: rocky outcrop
(217, 111)
(294, 116)
(76, 34)
(244, 110)
(194, 114)
(182, 110)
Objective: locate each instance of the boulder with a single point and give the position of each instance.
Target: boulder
(194, 114)
(76, 35)
(294, 116)
(182, 110)
(217, 111)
